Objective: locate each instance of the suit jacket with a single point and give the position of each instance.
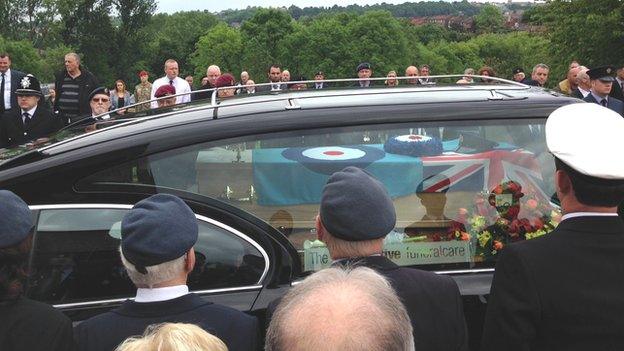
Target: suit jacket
(34, 326)
(432, 301)
(612, 103)
(323, 86)
(577, 94)
(616, 91)
(106, 331)
(16, 78)
(13, 132)
(562, 291)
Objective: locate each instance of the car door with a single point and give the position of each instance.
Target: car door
(75, 262)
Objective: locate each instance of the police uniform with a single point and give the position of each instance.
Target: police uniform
(26, 324)
(160, 229)
(356, 207)
(564, 290)
(19, 126)
(604, 74)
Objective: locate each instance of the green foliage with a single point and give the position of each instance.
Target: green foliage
(221, 46)
(589, 31)
(23, 55)
(489, 20)
(262, 35)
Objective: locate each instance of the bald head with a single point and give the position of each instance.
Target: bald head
(411, 71)
(341, 309)
(213, 73)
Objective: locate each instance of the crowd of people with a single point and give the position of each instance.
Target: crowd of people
(562, 291)
(27, 115)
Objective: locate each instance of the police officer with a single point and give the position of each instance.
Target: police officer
(564, 290)
(601, 83)
(355, 215)
(157, 238)
(31, 120)
(25, 324)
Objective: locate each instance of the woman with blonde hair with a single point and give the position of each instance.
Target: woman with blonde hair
(391, 80)
(173, 337)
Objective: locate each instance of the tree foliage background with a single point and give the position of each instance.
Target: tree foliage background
(117, 38)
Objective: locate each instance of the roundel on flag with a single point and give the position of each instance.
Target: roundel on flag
(331, 159)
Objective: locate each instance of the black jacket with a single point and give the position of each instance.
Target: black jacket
(616, 91)
(562, 291)
(86, 82)
(612, 103)
(16, 78)
(106, 331)
(32, 326)
(13, 132)
(432, 301)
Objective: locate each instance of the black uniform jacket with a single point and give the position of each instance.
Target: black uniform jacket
(32, 326)
(616, 91)
(106, 331)
(13, 132)
(432, 301)
(612, 103)
(562, 291)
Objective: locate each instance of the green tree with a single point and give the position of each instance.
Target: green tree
(223, 46)
(24, 56)
(263, 35)
(489, 20)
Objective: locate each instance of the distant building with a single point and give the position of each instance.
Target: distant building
(462, 23)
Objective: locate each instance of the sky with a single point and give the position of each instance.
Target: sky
(171, 6)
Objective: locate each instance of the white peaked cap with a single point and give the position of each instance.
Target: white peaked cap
(589, 138)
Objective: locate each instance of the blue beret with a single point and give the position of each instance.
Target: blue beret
(99, 90)
(15, 219)
(363, 65)
(356, 207)
(158, 229)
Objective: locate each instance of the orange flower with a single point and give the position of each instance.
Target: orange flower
(465, 236)
(498, 245)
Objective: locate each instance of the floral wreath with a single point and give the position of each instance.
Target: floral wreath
(493, 222)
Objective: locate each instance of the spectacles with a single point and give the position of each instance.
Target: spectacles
(100, 100)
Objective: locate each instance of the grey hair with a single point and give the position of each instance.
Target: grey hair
(74, 55)
(469, 71)
(346, 309)
(155, 274)
(540, 65)
(347, 248)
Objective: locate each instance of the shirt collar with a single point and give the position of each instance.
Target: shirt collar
(7, 73)
(31, 112)
(587, 214)
(161, 294)
(599, 98)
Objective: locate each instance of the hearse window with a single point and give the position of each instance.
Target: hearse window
(76, 257)
(462, 190)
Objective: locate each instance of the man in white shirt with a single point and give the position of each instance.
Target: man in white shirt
(171, 77)
(157, 239)
(564, 290)
(9, 82)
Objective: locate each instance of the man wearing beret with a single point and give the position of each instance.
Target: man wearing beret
(319, 77)
(157, 238)
(142, 92)
(564, 290)
(165, 90)
(24, 324)
(355, 215)
(31, 120)
(518, 74)
(364, 72)
(601, 83)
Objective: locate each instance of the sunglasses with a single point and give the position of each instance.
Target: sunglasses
(100, 100)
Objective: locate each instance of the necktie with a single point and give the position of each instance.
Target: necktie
(604, 102)
(26, 119)
(2, 94)
(170, 81)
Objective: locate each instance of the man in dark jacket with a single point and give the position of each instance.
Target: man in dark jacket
(602, 81)
(157, 238)
(9, 82)
(564, 290)
(24, 324)
(29, 120)
(355, 215)
(73, 86)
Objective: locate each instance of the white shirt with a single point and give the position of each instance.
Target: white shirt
(181, 86)
(587, 214)
(102, 117)
(31, 113)
(584, 92)
(7, 89)
(161, 294)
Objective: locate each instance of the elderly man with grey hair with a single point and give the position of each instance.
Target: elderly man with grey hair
(73, 85)
(539, 75)
(583, 84)
(340, 309)
(157, 239)
(355, 215)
